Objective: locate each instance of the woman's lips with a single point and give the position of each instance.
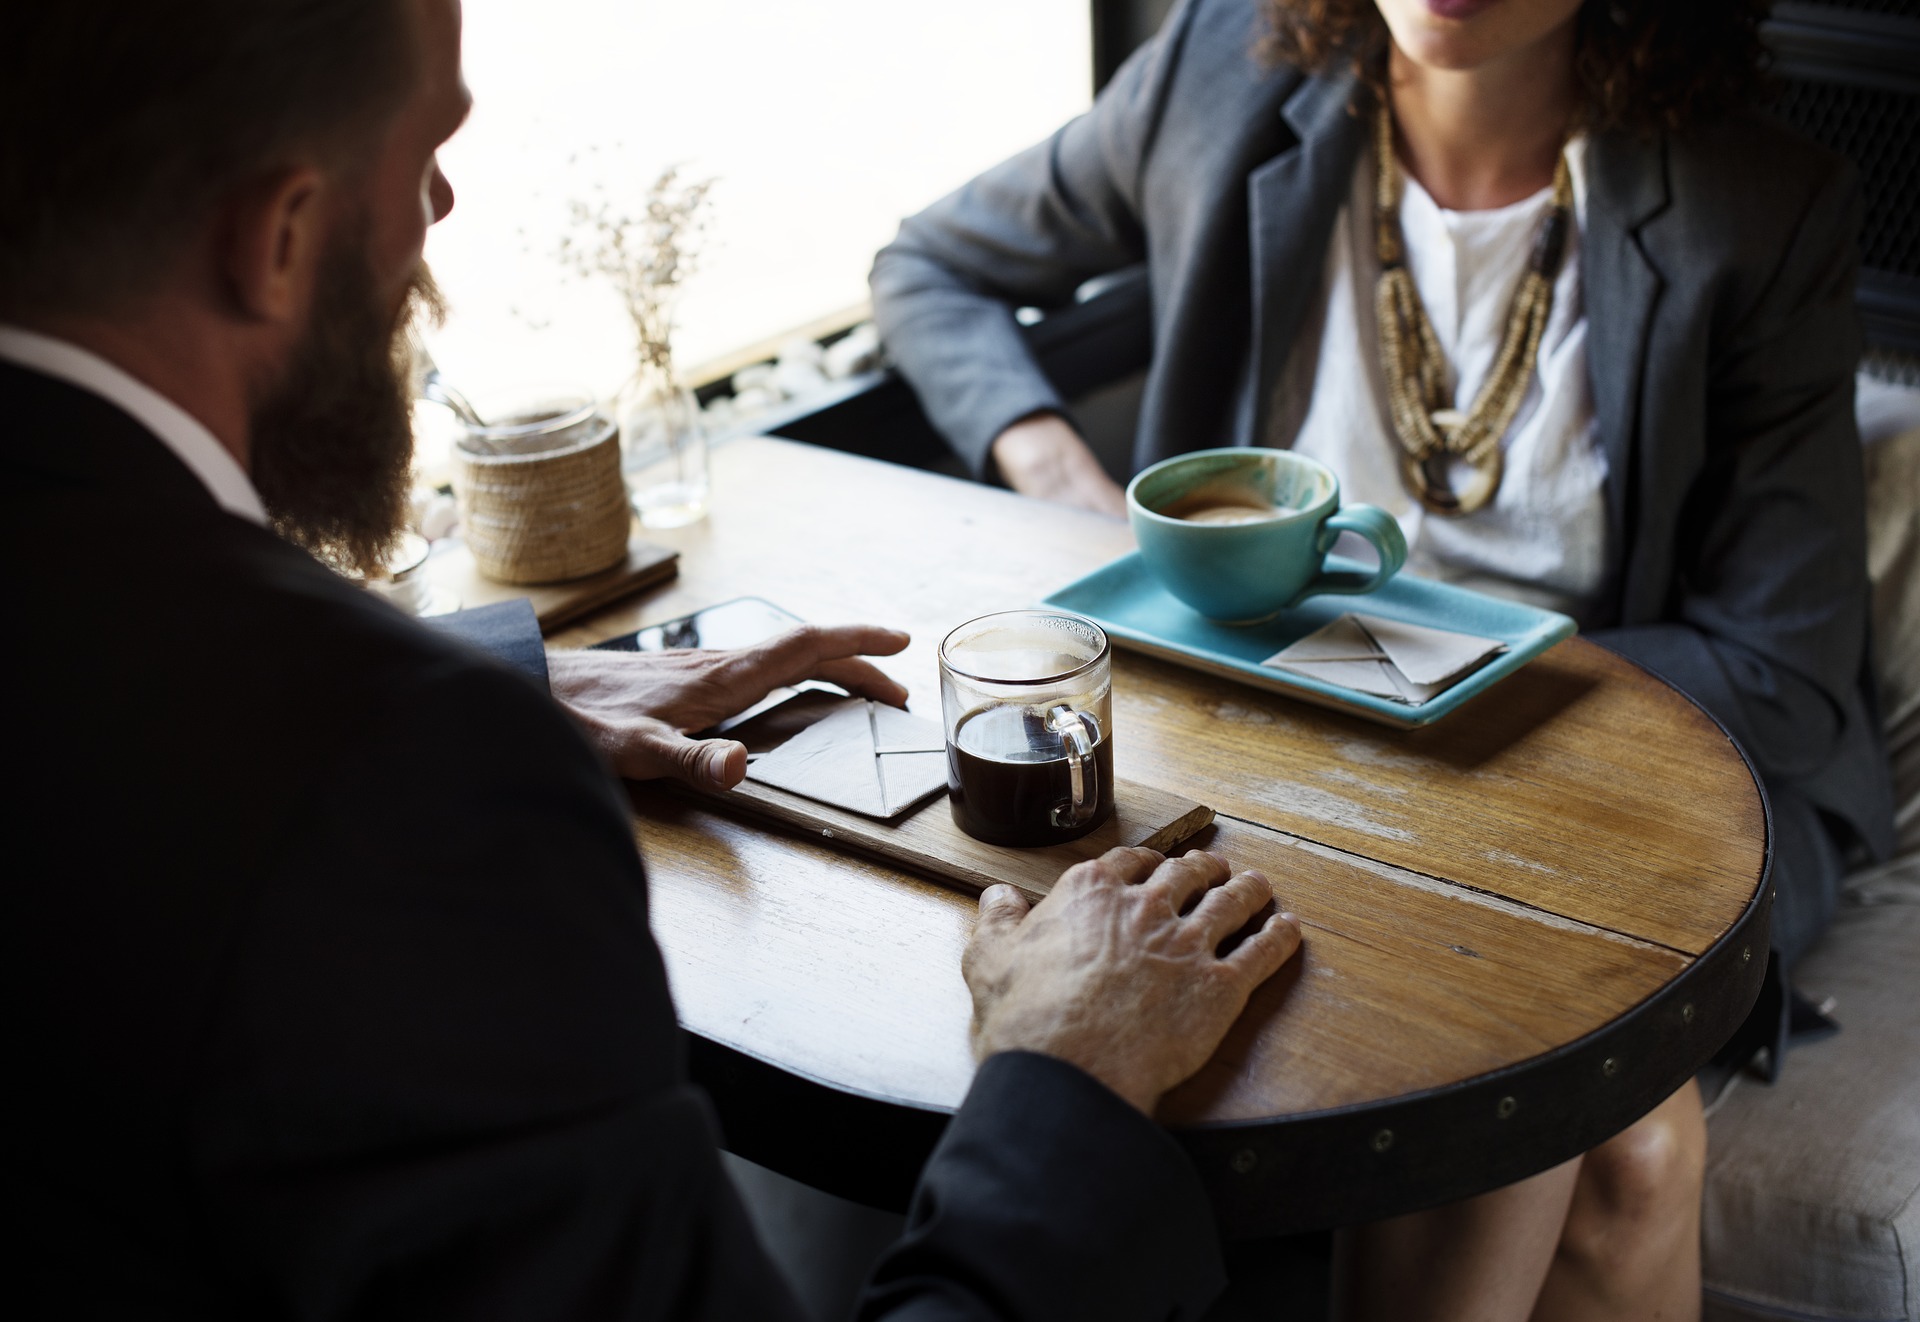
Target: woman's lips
(1458, 9)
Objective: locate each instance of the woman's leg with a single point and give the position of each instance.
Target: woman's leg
(1482, 1260)
(1611, 1235)
(1631, 1248)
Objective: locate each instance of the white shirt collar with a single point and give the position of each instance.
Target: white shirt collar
(182, 433)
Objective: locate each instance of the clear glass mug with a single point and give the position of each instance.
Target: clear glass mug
(1027, 701)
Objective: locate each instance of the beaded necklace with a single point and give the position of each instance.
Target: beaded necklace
(1432, 431)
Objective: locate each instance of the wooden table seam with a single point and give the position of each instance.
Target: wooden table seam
(1399, 873)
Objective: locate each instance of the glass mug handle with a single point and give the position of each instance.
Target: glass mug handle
(1078, 732)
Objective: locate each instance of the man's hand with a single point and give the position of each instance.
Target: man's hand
(1116, 971)
(639, 707)
(1043, 456)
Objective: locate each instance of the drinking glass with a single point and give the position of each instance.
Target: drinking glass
(663, 445)
(1027, 701)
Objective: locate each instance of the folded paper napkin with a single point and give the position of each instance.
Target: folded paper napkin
(1408, 663)
(862, 756)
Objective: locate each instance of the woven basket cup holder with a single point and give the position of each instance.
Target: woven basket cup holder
(546, 511)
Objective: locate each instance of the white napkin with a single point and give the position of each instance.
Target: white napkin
(865, 757)
(1408, 663)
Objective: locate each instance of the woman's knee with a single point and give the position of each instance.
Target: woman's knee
(1652, 1172)
(1633, 1232)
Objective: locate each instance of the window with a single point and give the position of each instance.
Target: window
(824, 122)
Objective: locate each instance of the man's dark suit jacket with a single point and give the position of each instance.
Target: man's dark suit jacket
(328, 987)
(1717, 277)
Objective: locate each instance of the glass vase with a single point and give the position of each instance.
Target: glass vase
(663, 450)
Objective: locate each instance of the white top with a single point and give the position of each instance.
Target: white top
(177, 429)
(1543, 538)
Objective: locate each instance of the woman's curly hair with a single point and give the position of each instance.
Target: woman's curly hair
(1644, 65)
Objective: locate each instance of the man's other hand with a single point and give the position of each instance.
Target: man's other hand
(640, 707)
(1043, 456)
(1118, 971)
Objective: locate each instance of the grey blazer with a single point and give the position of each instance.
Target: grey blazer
(1717, 270)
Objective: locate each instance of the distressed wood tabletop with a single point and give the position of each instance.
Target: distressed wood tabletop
(1524, 924)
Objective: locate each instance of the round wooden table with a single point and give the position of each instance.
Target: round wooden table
(1525, 924)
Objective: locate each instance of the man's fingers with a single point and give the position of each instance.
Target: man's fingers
(1260, 956)
(1128, 865)
(797, 653)
(811, 652)
(656, 751)
(863, 679)
(1002, 908)
(1187, 876)
(1226, 908)
(723, 762)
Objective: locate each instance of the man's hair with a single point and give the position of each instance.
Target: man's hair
(123, 123)
(1644, 65)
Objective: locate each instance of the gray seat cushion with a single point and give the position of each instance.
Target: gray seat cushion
(1813, 1185)
(1811, 1210)
(1893, 560)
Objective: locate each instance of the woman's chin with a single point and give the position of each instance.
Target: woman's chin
(1460, 35)
(1453, 52)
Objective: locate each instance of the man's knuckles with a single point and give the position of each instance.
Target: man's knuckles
(1108, 871)
(689, 761)
(1233, 901)
(799, 646)
(1244, 894)
(1128, 864)
(1255, 886)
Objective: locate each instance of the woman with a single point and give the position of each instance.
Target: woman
(1639, 412)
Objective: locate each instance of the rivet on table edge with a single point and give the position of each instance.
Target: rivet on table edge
(1609, 1067)
(1383, 1140)
(1506, 1107)
(1244, 1161)
(1686, 1013)
(1746, 954)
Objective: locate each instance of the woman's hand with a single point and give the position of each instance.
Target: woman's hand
(1043, 456)
(640, 707)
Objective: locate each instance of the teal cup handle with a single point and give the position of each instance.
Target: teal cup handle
(1380, 529)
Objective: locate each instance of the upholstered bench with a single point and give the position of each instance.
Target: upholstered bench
(1813, 1184)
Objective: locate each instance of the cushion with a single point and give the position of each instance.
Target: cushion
(1893, 558)
(1813, 1184)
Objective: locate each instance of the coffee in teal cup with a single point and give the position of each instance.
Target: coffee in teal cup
(1241, 534)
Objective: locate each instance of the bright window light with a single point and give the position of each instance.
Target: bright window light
(824, 121)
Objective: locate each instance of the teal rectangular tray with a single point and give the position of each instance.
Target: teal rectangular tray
(1140, 615)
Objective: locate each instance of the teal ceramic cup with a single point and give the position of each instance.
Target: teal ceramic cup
(1242, 534)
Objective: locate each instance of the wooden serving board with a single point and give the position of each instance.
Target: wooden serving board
(452, 572)
(928, 841)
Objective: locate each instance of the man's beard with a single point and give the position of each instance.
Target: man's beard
(332, 439)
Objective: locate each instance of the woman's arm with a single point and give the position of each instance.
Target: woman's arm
(1026, 233)
(1043, 456)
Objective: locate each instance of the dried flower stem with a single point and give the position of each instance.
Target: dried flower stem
(646, 257)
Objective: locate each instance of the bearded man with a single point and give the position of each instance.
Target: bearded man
(328, 989)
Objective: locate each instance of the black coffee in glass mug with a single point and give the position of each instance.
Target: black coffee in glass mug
(1027, 698)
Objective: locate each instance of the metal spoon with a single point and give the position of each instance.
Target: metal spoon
(435, 389)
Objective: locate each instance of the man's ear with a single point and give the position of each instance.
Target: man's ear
(272, 243)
